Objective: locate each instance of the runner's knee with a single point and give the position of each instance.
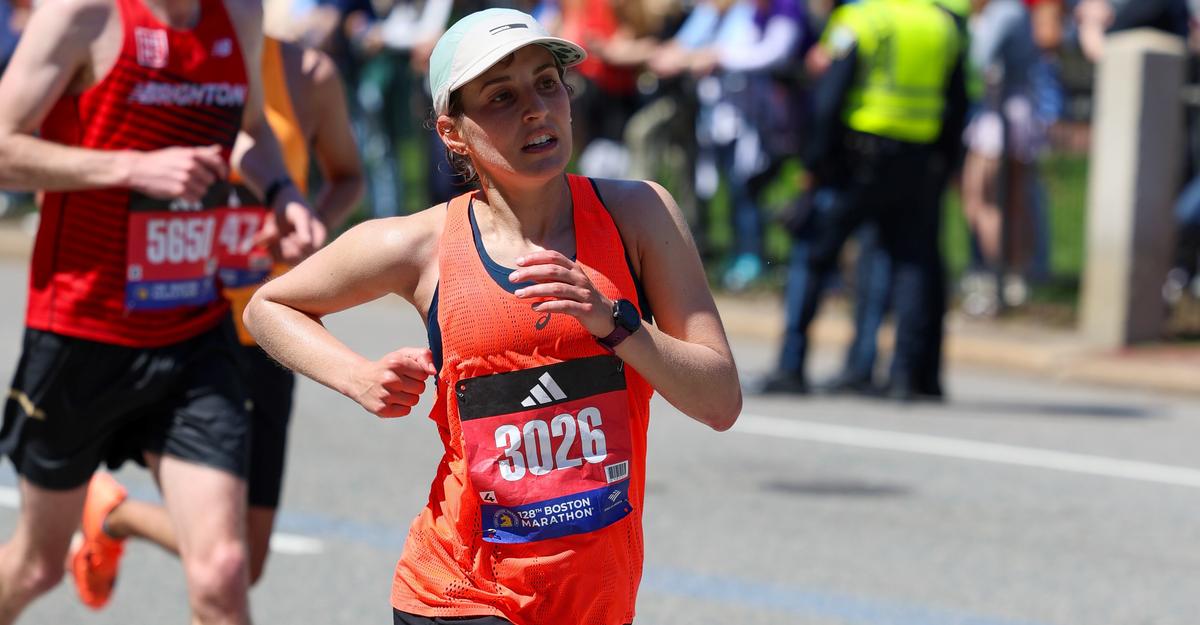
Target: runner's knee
(36, 577)
(217, 577)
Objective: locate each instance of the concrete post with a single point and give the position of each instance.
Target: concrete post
(1135, 174)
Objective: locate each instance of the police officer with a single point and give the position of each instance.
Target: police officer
(889, 111)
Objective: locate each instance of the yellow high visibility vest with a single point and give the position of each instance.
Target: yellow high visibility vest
(906, 50)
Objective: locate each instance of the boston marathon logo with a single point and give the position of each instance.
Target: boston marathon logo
(505, 519)
(545, 515)
(188, 94)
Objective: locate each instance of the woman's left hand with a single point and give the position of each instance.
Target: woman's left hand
(564, 288)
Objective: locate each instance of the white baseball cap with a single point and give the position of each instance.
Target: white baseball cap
(480, 40)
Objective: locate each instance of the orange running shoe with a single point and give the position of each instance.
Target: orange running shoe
(95, 560)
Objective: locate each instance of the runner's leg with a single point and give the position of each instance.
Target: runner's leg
(272, 400)
(31, 563)
(207, 508)
(141, 519)
(260, 521)
(148, 521)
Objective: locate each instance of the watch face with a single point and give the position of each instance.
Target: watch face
(626, 315)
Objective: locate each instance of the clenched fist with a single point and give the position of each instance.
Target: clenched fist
(391, 386)
(181, 172)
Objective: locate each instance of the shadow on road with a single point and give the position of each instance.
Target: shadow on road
(1042, 409)
(835, 488)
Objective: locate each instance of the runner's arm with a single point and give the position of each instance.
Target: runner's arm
(53, 51)
(369, 261)
(257, 154)
(685, 354)
(333, 142)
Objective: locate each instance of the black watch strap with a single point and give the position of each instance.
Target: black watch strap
(273, 189)
(626, 321)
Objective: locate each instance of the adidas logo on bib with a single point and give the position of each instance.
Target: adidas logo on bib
(546, 392)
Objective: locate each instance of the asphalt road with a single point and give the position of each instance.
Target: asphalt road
(1019, 502)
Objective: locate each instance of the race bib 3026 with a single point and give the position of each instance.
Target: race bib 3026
(549, 448)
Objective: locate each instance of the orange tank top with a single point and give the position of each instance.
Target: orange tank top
(535, 512)
(242, 281)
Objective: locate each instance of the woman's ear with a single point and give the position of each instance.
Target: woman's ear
(447, 130)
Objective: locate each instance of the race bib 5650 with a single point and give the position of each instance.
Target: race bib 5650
(548, 448)
(170, 261)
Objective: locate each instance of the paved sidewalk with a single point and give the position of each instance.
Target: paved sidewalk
(1053, 353)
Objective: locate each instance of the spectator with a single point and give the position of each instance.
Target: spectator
(733, 49)
(406, 34)
(882, 120)
(606, 94)
(1004, 141)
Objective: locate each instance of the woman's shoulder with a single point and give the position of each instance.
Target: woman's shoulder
(641, 203)
(641, 193)
(404, 239)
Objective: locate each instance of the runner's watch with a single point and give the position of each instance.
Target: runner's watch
(627, 321)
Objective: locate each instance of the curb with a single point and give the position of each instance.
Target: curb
(1059, 355)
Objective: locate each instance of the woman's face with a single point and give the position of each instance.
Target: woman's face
(516, 117)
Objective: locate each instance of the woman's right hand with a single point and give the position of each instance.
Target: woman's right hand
(391, 386)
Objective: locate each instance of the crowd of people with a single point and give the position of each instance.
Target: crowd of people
(177, 152)
(715, 98)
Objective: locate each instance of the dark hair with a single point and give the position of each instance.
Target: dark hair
(460, 163)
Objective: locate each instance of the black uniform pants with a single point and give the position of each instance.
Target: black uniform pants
(897, 186)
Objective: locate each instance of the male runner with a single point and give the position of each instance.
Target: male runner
(138, 103)
(306, 106)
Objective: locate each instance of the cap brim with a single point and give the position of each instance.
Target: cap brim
(567, 52)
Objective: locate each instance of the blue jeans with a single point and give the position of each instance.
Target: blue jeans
(747, 216)
(800, 286)
(872, 293)
(894, 186)
(872, 296)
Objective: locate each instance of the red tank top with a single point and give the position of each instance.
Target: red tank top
(535, 512)
(115, 266)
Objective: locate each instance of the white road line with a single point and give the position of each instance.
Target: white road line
(290, 544)
(295, 545)
(967, 450)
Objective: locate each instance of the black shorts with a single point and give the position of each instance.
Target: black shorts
(75, 403)
(404, 618)
(269, 386)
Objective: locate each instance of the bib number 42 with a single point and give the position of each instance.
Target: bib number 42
(531, 448)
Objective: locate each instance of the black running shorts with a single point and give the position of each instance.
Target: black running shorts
(75, 403)
(269, 386)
